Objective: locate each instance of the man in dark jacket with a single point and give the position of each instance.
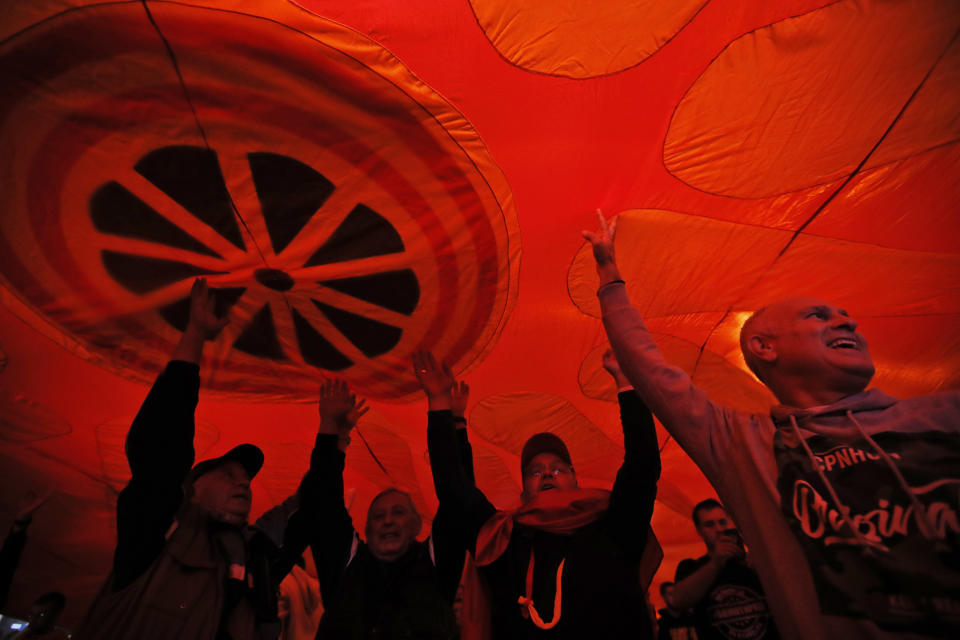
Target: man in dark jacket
(186, 565)
(390, 586)
(573, 559)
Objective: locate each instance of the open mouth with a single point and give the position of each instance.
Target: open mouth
(844, 343)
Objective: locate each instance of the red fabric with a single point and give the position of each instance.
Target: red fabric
(561, 512)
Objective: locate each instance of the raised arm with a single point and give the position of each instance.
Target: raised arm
(450, 534)
(635, 489)
(460, 499)
(685, 411)
(159, 445)
(459, 395)
(331, 528)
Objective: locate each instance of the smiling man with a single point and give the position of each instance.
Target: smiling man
(570, 563)
(186, 564)
(391, 585)
(846, 497)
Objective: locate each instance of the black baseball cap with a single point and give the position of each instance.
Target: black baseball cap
(544, 442)
(249, 456)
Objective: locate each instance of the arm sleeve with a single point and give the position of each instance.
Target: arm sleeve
(331, 542)
(635, 489)
(685, 569)
(700, 427)
(449, 535)
(459, 497)
(466, 455)
(160, 452)
(301, 515)
(9, 559)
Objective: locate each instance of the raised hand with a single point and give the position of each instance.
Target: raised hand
(725, 550)
(203, 324)
(436, 380)
(337, 406)
(602, 242)
(613, 368)
(203, 318)
(459, 394)
(339, 410)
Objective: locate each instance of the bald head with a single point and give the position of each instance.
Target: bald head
(756, 325)
(393, 524)
(806, 351)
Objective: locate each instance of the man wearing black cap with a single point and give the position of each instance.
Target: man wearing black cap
(570, 562)
(186, 565)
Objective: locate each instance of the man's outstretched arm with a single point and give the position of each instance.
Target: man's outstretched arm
(635, 489)
(685, 411)
(301, 517)
(331, 529)
(159, 445)
(459, 497)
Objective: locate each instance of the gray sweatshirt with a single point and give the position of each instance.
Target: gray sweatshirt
(851, 510)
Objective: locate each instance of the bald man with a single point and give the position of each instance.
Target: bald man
(847, 498)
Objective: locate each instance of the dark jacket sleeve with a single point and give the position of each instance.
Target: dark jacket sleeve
(9, 559)
(450, 534)
(159, 449)
(635, 489)
(466, 453)
(459, 497)
(305, 522)
(686, 567)
(331, 542)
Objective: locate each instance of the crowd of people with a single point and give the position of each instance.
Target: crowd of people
(838, 512)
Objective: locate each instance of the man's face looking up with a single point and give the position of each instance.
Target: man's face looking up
(545, 472)
(392, 526)
(806, 339)
(224, 492)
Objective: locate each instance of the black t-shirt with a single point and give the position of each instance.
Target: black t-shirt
(734, 607)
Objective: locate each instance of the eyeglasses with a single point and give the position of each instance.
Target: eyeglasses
(555, 472)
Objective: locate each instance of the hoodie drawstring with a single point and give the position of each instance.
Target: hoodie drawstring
(919, 510)
(526, 601)
(844, 511)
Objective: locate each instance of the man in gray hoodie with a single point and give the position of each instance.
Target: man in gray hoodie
(848, 499)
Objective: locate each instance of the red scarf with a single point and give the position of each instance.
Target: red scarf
(559, 512)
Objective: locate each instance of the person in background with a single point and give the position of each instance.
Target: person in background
(671, 623)
(721, 587)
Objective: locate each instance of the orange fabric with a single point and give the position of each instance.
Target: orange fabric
(785, 81)
(581, 38)
(474, 129)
